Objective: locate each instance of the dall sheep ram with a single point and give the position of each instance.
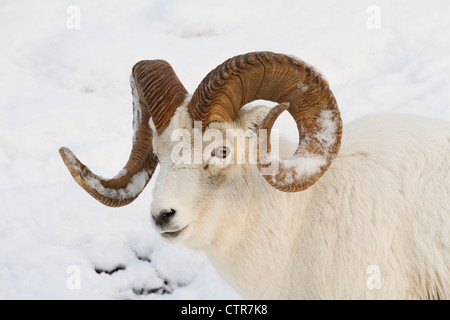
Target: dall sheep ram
(368, 219)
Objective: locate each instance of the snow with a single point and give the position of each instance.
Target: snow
(65, 81)
(137, 111)
(137, 183)
(327, 129)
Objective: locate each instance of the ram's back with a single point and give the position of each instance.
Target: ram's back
(381, 221)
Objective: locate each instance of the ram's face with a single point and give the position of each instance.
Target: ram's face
(200, 173)
(202, 178)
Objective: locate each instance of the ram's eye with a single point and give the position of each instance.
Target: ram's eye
(221, 152)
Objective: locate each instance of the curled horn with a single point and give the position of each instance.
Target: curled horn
(157, 92)
(299, 89)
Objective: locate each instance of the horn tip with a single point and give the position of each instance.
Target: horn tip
(71, 161)
(66, 154)
(63, 150)
(274, 113)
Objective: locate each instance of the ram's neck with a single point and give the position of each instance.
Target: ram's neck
(254, 251)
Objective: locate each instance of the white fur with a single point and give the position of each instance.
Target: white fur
(384, 202)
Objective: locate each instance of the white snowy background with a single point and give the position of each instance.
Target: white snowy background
(61, 86)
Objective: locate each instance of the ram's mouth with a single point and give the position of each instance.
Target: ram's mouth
(173, 234)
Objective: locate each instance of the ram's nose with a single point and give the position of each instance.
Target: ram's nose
(163, 218)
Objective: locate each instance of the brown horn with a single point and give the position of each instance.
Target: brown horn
(157, 93)
(282, 79)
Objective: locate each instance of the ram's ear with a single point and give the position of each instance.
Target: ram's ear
(250, 119)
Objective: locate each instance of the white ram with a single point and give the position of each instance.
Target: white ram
(369, 220)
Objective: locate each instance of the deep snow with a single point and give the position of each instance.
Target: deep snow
(64, 86)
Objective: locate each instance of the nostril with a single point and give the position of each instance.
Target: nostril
(164, 216)
(167, 215)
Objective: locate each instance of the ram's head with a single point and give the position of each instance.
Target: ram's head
(193, 187)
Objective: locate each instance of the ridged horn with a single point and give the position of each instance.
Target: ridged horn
(157, 93)
(283, 79)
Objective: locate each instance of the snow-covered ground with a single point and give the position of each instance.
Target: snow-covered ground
(64, 69)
